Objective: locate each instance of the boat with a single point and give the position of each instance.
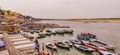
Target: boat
(61, 44)
(82, 38)
(67, 42)
(74, 41)
(25, 30)
(68, 31)
(31, 32)
(92, 37)
(53, 33)
(51, 46)
(41, 35)
(28, 36)
(37, 31)
(106, 53)
(94, 46)
(84, 48)
(47, 34)
(106, 45)
(87, 37)
(59, 31)
(48, 31)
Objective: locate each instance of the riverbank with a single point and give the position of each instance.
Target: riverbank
(95, 20)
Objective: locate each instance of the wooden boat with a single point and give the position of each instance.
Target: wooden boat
(67, 42)
(42, 35)
(25, 30)
(47, 34)
(74, 41)
(106, 53)
(28, 36)
(37, 31)
(87, 37)
(61, 44)
(92, 37)
(53, 33)
(31, 32)
(83, 48)
(94, 46)
(59, 31)
(83, 38)
(51, 46)
(106, 45)
(68, 31)
(48, 31)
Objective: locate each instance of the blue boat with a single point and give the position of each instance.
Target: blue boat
(83, 48)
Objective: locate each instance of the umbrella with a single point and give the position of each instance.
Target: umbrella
(1, 43)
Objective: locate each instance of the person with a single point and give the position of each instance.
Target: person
(43, 46)
(36, 42)
(36, 47)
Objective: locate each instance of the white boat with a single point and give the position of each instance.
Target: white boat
(103, 44)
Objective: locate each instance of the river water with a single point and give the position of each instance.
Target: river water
(107, 32)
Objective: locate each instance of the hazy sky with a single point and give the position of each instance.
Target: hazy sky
(64, 8)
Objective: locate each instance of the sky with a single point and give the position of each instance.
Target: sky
(64, 9)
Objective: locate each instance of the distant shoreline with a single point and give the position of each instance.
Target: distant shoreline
(96, 20)
(89, 20)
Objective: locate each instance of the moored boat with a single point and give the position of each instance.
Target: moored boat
(53, 33)
(106, 45)
(87, 36)
(37, 31)
(68, 31)
(75, 41)
(83, 48)
(67, 42)
(59, 31)
(48, 31)
(86, 39)
(31, 32)
(94, 46)
(47, 34)
(61, 44)
(42, 35)
(28, 36)
(51, 46)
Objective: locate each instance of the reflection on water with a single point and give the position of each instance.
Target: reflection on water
(108, 32)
